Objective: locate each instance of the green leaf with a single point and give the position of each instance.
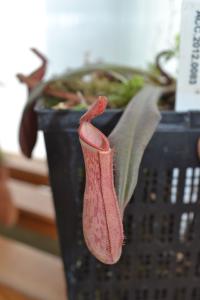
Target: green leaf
(130, 138)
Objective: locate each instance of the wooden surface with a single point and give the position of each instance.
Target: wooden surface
(7, 293)
(27, 273)
(31, 198)
(28, 170)
(31, 194)
(35, 204)
(30, 272)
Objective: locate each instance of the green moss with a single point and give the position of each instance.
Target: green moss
(50, 101)
(80, 107)
(126, 92)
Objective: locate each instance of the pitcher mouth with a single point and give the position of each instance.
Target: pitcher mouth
(93, 137)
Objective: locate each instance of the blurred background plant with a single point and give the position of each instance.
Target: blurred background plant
(71, 33)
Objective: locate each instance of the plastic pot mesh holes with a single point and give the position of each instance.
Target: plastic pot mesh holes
(161, 256)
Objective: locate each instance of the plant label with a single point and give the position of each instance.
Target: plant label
(188, 88)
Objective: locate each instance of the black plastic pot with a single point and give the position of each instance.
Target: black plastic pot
(161, 256)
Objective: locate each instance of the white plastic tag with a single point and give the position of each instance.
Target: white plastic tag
(188, 89)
